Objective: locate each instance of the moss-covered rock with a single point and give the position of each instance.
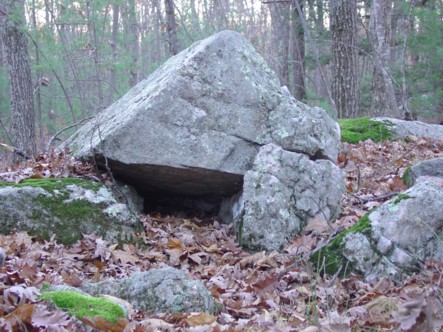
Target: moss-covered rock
(360, 129)
(391, 240)
(158, 290)
(66, 208)
(330, 258)
(432, 167)
(81, 305)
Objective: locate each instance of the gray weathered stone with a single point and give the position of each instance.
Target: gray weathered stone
(128, 195)
(67, 208)
(433, 167)
(405, 230)
(2, 257)
(281, 192)
(158, 290)
(402, 128)
(194, 126)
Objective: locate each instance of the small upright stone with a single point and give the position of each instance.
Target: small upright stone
(2, 257)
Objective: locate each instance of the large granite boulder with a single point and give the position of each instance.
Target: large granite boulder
(64, 208)
(194, 127)
(281, 192)
(393, 239)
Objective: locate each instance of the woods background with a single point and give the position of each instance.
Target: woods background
(352, 58)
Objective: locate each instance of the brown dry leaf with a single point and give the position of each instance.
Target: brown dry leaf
(23, 313)
(211, 249)
(397, 184)
(124, 257)
(251, 260)
(150, 324)
(103, 324)
(334, 322)
(101, 250)
(318, 225)
(174, 243)
(52, 321)
(72, 278)
(200, 319)
(416, 316)
(266, 284)
(381, 308)
(19, 295)
(269, 261)
(174, 256)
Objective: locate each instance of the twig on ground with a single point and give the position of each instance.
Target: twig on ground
(375, 198)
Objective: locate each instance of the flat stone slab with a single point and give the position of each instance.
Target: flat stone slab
(195, 125)
(403, 128)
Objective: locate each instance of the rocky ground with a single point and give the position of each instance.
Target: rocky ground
(258, 291)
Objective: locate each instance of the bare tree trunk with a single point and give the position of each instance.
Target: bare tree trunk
(93, 40)
(114, 35)
(194, 19)
(298, 54)
(319, 18)
(280, 12)
(132, 44)
(344, 57)
(38, 94)
(171, 26)
(384, 101)
(20, 81)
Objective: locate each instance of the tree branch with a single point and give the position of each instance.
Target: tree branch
(48, 146)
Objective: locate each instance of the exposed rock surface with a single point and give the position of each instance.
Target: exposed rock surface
(403, 128)
(66, 208)
(158, 290)
(433, 167)
(194, 127)
(394, 238)
(282, 191)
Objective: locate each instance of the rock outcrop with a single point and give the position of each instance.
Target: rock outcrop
(281, 192)
(194, 127)
(393, 239)
(433, 167)
(66, 208)
(402, 128)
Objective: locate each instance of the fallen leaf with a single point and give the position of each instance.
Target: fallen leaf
(151, 324)
(21, 314)
(175, 244)
(103, 324)
(200, 319)
(124, 257)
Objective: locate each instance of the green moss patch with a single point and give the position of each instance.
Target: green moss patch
(407, 177)
(332, 253)
(401, 197)
(53, 183)
(46, 215)
(81, 305)
(360, 129)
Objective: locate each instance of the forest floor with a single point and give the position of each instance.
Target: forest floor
(259, 291)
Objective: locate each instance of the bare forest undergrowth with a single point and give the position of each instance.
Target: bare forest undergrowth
(259, 291)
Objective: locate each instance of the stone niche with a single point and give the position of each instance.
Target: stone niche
(190, 133)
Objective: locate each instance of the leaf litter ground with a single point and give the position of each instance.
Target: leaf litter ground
(258, 291)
